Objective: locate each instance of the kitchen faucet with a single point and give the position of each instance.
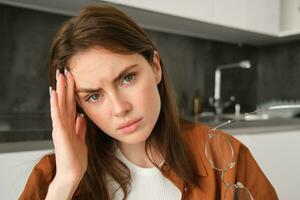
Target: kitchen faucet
(216, 101)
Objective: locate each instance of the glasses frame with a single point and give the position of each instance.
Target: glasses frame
(232, 163)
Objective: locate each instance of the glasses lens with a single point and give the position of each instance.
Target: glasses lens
(219, 151)
(238, 192)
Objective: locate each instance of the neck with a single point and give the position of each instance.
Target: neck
(136, 154)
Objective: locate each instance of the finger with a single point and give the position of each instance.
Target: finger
(59, 134)
(81, 127)
(54, 109)
(70, 94)
(61, 93)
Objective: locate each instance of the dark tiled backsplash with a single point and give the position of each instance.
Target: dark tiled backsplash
(25, 121)
(24, 127)
(190, 62)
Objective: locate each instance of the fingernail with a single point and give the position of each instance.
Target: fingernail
(50, 90)
(80, 115)
(66, 71)
(57, 73)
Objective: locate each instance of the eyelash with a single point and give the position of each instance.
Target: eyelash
(132, 74)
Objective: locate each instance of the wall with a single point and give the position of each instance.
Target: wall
(279, 72)
(25, 37)
(191, 63)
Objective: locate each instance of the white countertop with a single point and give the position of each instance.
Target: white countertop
(237, 128)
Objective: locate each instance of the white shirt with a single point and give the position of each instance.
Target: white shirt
(147, 184)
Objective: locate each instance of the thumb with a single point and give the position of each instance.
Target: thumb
(81, 127)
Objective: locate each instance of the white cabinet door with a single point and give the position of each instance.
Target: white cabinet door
(260, 16)
(201, 10)
(278, 156)
(232, 13)
(14, 171)
(263, 15)
(290, 15)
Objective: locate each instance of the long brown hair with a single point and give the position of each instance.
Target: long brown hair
(109, 28)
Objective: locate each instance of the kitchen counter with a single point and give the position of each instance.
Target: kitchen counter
(263, 126)
(36, 145)
(253, 126)
(27, 140)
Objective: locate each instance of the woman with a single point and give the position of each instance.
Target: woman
(130, 142)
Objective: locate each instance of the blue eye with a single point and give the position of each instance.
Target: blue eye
(92, 98)
(129, 78)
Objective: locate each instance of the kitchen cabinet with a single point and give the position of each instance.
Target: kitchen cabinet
(15, 169)
(251, 15)
(290, 15)
(201, 10)
(239, 21)
(231, 13)
(260, 16)
(263, 15)
(255, 22)
(277, 153)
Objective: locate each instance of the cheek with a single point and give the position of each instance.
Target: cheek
(100, 116)
(149, 97)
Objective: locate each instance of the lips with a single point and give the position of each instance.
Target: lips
(128, 124)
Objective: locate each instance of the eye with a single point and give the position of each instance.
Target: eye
(129, 78)
(94, 97)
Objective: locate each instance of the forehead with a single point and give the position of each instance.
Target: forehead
(97, 58)
(97, 66)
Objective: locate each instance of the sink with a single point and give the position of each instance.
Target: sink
(209, 117)
(231, 116)
(251, 124)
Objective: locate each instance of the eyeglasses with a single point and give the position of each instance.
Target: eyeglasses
(219, 153)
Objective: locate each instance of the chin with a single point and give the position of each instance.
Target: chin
(136, 138)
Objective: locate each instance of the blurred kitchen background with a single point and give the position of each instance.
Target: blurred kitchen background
(194, 38)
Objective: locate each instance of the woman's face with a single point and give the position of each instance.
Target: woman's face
(117, 90)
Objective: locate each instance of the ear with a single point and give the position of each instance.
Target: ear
(157, 67)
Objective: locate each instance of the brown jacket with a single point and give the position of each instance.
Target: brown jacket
(246, 171)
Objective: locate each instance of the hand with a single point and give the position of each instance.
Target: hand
(69, 131)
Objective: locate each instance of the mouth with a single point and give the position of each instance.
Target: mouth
(130, 126)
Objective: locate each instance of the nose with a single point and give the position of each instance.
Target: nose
(121, 106)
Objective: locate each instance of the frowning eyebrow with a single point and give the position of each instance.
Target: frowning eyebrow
(116, 79)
